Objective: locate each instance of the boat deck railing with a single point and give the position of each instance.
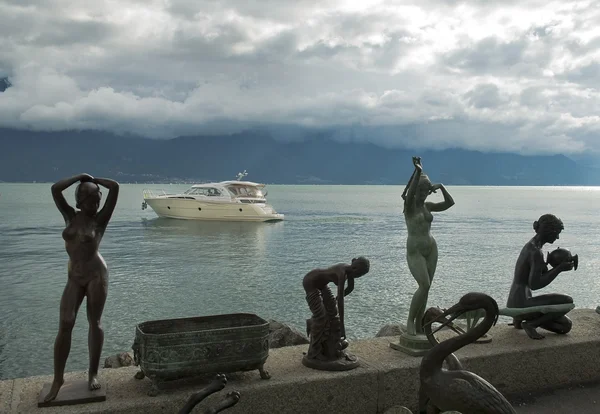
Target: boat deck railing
(148, 193)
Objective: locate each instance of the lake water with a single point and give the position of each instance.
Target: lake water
(161, 268)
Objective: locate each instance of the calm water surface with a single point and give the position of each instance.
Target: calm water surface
(161, 268)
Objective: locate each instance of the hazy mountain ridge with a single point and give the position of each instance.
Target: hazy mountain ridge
(27, 156)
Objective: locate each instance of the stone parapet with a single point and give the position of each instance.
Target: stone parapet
(386, 378)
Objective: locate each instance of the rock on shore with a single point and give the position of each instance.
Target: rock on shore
(281, 335)
(124, 359)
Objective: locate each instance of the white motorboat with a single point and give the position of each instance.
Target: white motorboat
(234, 200)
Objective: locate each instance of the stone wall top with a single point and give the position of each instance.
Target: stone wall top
(512, 362)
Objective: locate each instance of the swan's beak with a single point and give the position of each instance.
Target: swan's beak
(455, 311)
(457, 329)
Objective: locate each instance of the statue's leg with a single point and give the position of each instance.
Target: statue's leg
(556, 322)
(561, 324)
(530, 325)
(97, 290)
(518, 323)
(548, 299)
(329, 303)
(69, 306)
(431, 260)
(333, 342)
(418, 268)
(317, 323)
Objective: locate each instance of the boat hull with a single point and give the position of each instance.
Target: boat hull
(189, 209)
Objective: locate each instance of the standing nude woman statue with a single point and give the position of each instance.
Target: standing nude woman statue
(421, 248)
(87, 271)
(531, 273)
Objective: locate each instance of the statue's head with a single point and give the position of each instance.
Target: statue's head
(548, 226)
(87, 197)
(359, 267)
(423, 187)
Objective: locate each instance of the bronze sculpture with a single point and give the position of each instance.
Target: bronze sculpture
(87, 271)
(326, 328)
(421, 247)
(436, 315)
(531, 273)
(460, 390)
(217, 384)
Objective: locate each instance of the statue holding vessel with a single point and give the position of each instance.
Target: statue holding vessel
(546, 311)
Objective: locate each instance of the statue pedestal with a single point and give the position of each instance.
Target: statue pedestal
(71, 393)
(415, 345)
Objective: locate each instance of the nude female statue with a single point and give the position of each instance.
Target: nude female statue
(531, 273)
(421, 248)
(87, 271)
(326, 330)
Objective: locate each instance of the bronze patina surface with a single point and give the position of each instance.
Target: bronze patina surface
(173, 349)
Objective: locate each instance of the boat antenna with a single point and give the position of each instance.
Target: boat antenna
(241, 175)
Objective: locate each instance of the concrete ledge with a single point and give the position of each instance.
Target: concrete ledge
(512, 362)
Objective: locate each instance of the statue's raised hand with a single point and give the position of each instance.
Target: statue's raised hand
(434, 188)
(85, 178)
(417, 162)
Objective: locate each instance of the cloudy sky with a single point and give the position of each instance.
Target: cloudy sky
(513, 75)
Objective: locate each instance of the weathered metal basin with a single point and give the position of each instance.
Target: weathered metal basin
(188, 347)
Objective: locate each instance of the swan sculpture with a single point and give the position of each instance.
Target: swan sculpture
(435, 315)
(461, 390)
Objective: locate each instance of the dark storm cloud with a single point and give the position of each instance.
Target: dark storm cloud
(516, 75)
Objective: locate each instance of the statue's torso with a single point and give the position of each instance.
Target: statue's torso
(520, 290)
(418, 224)
(82, 239)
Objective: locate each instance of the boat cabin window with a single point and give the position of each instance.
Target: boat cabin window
(245, 191)
(205, 191)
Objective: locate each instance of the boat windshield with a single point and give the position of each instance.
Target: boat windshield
(205, 191)
(245, 191)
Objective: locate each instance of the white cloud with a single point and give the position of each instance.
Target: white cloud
(516, 75)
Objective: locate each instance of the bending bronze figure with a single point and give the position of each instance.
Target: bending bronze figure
(421, 247)
(461, 390)
(326, 328)
(217, 384)
(87, 271)
(531, 273)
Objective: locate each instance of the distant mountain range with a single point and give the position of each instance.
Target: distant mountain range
(27, 156)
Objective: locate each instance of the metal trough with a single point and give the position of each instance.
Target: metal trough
(189, 347)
